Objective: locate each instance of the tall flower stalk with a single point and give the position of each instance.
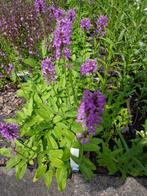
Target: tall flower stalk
(90, 111)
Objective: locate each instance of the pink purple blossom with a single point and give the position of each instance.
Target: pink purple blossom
(89, 67)
(48, 70)
(40, 6)
(62, 33)
(71, 15)
(9, 131)
(56, 12)
(90, 111)
(102, 23)
(85, 24)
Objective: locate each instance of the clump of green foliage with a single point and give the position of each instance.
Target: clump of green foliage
(47, 121)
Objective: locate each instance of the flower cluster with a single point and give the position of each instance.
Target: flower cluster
(102, 23)
(9, 131)
(89, 67)
(40, 6)
(62, 33)
(85, 24)
(48, 70)
(20, 26)
(90, 111)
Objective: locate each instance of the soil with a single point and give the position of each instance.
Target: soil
(9, 102)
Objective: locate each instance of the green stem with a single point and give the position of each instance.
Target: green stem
(72, 86)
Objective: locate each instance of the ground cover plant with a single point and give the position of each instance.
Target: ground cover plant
(85, 87)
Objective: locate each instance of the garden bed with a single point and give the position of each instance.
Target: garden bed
(81, 104)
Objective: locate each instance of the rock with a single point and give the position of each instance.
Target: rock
(76, 186)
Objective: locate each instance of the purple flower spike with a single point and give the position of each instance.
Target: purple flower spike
(85, 24)
(40, 6)
(62, 34)
(91, 110)
(102, 23)
(48, 70)
(89, 67)
(9, 131)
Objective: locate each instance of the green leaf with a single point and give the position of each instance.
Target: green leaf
(55, 162)
(5, 152)
(76, 127)
(45, 112)
(90, 147)
(13, 162)
(88, 163)
(30, 61)
(37, 99)
(55, 153)
(61, 125)
(28, 109)
(40, 172)
(48, 177)
(21, 169)
(52, 144)
(56, 119)
(86, 171)
(61, 177)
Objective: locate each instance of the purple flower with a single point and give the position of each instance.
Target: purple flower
(89, 67)
(101, 23)
(67, 53)
(56, 12)
(40, 6)
(9, 131)
(85, 24)
(91, 110)
(62, 33)
(71, 15)
(48, 70)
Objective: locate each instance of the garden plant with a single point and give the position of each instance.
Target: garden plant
(81, 69)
